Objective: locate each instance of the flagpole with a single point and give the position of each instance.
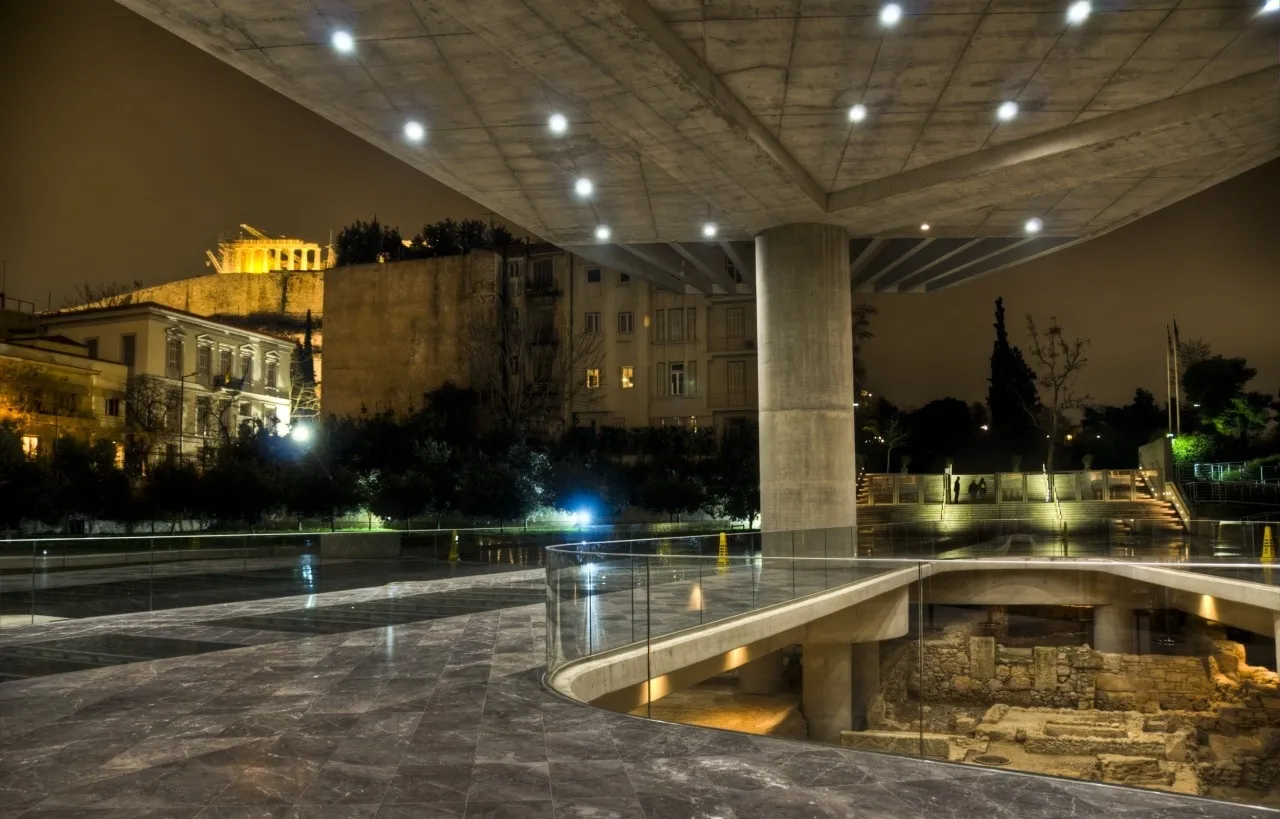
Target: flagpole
(1177, 380)
(1168, 377)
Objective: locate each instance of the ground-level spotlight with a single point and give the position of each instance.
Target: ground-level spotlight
(300, 434)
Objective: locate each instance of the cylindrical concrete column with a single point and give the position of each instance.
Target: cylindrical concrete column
(827, 695)
(762, 676)
(1113, 629)
(808, 479)
(866, 681)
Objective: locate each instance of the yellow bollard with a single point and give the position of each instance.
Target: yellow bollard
(1268, 554)
(722, 554)
(453, 548)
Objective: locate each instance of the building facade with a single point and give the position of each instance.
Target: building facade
(191, 381)
(51, 387)
(564, 340)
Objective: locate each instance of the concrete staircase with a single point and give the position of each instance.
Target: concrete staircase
(1119, 515)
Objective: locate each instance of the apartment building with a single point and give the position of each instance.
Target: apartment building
(191, 380)
(669, 358)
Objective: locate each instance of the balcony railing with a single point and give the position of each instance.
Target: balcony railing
(732, 399)
(542, 287)
(731, 344)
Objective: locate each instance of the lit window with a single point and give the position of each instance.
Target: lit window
(204, 363)
(677, 378)
(593, 275)
(173, 358)
(273, 372)
(626, 322)
(119, 456)
(204, 415)
(592, 323)
(30, 446)
(224, 365)
(593, 378)
(628, 377)
(246, 366)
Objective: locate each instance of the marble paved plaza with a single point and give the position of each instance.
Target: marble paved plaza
(443, 718)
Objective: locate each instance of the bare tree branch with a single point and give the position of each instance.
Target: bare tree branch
(1057, 362)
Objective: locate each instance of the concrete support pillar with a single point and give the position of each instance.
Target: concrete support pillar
(808, 478)
(866, 681)
(1113, 629)
(761, 676)
(827, 696)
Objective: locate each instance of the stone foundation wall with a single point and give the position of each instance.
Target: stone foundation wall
(960, 667)
(290, 293)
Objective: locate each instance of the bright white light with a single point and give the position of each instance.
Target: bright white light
(583, 187)
(858, 113)
(589, 569)
(1079, 11)
(985, 428)
(890, 14)
(558, 123)
(344, 42)
(582, 517)
(603, 232)
(1270, 6)
(300, 434)
(925, 227)
(1033, 225)
(414, 131)
(709, 230)
(1007, 110)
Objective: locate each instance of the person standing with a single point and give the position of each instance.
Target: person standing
(957, 491)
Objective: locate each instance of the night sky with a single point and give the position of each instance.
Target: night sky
(126, 151)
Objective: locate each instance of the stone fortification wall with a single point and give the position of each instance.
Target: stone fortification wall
(960, 667)
(287, 293)
(394, 332)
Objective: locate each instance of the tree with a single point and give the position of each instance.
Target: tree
(733, 476)
(146, 420)
(450, 238)
(1011, 395)
(21, 388)
(862, 315)
(304, 396)
(942, 428)
(1245, 417)
(103, 294)
(1058, 362)
(886, 428)
(1213, 382)
(367, 242)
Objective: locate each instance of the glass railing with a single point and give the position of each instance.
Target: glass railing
(1156, 673)
(44, 579)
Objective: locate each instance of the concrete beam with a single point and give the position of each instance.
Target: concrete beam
(613, 256)
(709, 259)
(859, 264)
(665, 257)
(743, 256)
(972, 253)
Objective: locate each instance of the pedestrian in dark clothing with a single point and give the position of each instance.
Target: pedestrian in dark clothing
(982, 489)
(973, 491)
(957, 500)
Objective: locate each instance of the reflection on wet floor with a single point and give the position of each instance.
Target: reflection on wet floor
(78, 653)
(390, 612)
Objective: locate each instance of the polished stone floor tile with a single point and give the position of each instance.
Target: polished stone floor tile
(440, 718)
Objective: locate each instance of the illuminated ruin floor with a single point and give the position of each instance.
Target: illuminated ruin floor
(718, 704)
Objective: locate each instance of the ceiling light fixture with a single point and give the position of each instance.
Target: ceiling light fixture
(1079, 12)
(925, 227)
(709, 230)
(1033, 225)
(343, 42)
(890, 14)
(602, 232)
(1007, 110)
(558, 123)
(414, 131)
(858, 113)
(1270, 6)
(583, 187)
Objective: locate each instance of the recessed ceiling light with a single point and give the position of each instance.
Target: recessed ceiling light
(709, 230)
(583, 187)
(890, 14)
(1007, 110)
(558, 123)
(1033, 225)
(1079, 11)
(1270, 6)
(343, 41)
(414, 131)
(858, 113)
(925, 227)
(602, 232)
